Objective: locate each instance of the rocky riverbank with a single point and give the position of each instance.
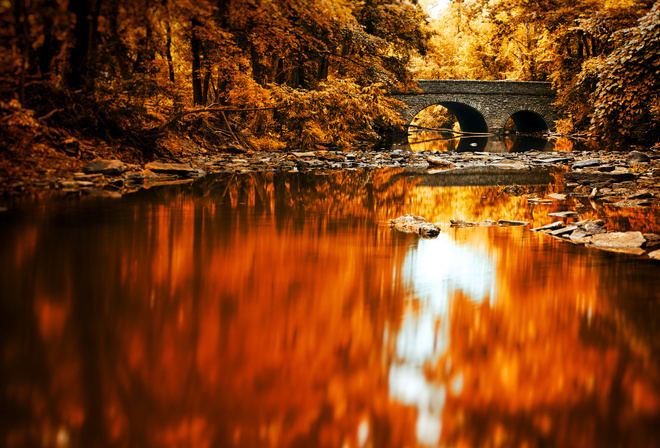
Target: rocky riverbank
(624, 178)
(621, 179)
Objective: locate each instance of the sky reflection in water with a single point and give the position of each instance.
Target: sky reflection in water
(275, 310)
(435, 270)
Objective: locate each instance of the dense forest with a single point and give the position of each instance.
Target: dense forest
(147, 78)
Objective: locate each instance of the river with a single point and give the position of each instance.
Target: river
(280, 309)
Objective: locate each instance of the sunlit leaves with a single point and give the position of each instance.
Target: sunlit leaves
(338, 111)
(629, 85)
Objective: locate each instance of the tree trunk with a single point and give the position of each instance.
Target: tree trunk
(580, 48)
(205, 91)
(22, 30)
(146, 52)
(83, 54)
(196, 49)
(117, 47)
(323, 68)
(168, 45)
(45, 53)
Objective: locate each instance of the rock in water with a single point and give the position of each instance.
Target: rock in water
(557, 196)
(169, 168)
(461, 223)
(103, 166)
(594, 228)
(415, 224)
(618, 240)
(587, 163)
(637, 157)
(508, 223)
(567, 214)
(439, 161)
(655, 254)
(552, 226)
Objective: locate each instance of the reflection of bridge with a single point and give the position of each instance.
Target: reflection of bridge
(486, 106)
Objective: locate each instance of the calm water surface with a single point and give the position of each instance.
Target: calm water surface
(444, 141)
(277, 310)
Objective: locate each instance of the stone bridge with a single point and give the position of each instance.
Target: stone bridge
(486, 106)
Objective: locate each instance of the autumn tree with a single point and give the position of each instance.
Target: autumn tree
(627, 95)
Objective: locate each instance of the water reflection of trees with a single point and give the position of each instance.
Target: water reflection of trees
(205, 323)
(214, 315)
(559, 359)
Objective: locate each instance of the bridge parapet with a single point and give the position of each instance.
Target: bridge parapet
(486, 87)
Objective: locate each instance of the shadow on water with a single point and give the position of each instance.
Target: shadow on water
(511, 143)
(275, 309)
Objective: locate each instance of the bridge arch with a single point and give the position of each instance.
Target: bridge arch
(469, 118)
(528, 121)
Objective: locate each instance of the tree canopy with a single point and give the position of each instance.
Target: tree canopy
(155, 58)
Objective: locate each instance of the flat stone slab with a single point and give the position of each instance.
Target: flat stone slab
(579, 235)
(104, 166)
(461, 223)
(587, 163)
(509, 223)
(564, 231)
(415, 224)
(554, 160)
(169, 168)
(641, 194)
(632, 203)
(568, 214)
(87, 177)
(552, 226)
(539, 201)
(557, 196)
(439, 161)
(618, 240)
(595, 177)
